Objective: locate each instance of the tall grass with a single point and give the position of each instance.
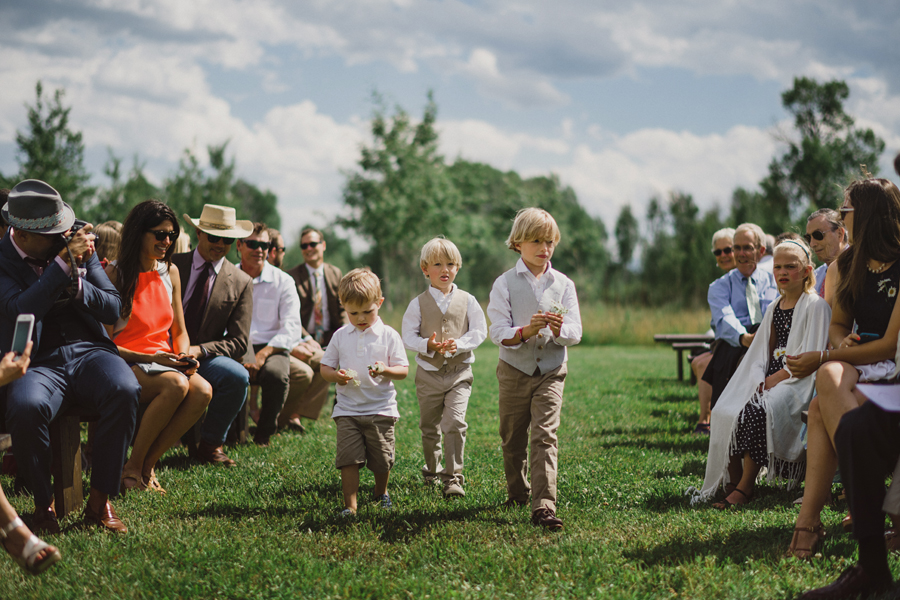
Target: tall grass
(619, 325)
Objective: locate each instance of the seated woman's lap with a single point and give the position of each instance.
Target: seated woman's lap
(836, 393)
(159, 383)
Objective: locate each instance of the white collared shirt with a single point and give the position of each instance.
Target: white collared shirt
(197, 263)
(353, 349)
(500, 307)
(276, 310)
(317, 281)
(412, 325)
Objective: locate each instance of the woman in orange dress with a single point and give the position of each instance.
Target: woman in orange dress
(151, 337)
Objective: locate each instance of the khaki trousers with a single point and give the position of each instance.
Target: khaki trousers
(308, 391)
(533, 401)
(443, 400)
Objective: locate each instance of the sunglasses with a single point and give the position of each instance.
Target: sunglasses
(256, 245)
(164, 235)
(215, 239)
(277, 248)
(309, 245)
(721, 251)
(815, 235)
(844, 210)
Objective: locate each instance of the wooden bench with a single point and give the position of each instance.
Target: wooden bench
(65, 468)
(694, 343)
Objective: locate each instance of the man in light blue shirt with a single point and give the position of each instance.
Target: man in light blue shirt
(735, 317)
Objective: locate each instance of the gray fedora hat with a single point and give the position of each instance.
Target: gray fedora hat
(35, 206)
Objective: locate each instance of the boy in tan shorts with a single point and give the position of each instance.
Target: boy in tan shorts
(534, 317)
(444, 325)
(364, 358)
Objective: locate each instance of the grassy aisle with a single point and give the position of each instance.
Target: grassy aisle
(269, 528)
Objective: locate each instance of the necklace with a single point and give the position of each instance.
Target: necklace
(877, 270)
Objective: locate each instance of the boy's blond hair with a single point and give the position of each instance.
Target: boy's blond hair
(437, 248)
(359, 287)
(532, 224)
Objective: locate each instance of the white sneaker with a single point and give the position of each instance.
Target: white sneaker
(453, 489)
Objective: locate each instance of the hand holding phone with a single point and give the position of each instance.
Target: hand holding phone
(22, 333)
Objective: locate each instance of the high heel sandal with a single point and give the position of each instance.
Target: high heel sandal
(28, 558)
(793, 552)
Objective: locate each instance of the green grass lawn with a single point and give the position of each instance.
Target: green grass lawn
(269, 528)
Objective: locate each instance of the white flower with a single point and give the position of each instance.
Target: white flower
(892, 292)
(448, 354)
(378, 367)
(354, 375)
(883, 283)
(557, 308)
(778, 353)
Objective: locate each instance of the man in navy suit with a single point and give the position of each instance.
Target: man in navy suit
(73, 361)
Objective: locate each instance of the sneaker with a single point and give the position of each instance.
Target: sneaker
(430, 480)
(547, 519)
(348, 512)
(385, 501)
(453, 489)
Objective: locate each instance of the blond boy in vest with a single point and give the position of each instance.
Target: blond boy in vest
(534, 316)
(443, 325)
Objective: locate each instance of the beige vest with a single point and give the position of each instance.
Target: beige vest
(450, 325)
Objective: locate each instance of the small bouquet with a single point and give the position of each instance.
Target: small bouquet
(557, 309)
(354, 375)
(378, 367)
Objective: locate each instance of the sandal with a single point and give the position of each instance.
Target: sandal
(137, 485)
(725, 504)
(793, 552)
(847, 523)
(701, 429)
(28, 558)
(892, 539)
(153, 484)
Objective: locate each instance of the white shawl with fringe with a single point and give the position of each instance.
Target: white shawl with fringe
(782, 403)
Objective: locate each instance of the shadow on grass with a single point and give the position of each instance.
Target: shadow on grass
(692, 467)
(734, 547)
(679, 446)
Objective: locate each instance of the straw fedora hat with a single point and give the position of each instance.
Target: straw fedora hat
(35, 206)
(221, 221)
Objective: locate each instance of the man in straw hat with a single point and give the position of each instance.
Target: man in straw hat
(73, 361)
(218, 306)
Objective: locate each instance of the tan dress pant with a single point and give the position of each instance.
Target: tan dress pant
(533, 401)
(308, 391)
(443, 399)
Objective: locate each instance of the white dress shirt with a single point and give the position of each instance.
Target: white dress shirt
(276, 310)
(317, 282)
(500, 307)
(412, 325)
(353, 349)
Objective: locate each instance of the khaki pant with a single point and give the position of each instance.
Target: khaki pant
(308, 391)
(533, 401)
(443, 400)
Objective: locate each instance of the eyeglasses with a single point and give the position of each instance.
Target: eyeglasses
(844, 210)
(309, 245)
(277, 248)
(721, 251)
(164, 235)
(256, 244)
(215, 239)
(818, 235)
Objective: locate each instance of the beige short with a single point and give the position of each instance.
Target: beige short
(365, 440)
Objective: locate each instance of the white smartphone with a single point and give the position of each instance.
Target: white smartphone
(22, 333)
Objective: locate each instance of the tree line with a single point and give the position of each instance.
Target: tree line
(402, 192)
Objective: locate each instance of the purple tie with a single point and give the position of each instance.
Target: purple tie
(196, 305)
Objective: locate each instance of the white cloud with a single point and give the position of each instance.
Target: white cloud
(480, 141)
(522, 89)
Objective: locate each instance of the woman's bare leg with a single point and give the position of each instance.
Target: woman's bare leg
(704, 390)
(186, 414)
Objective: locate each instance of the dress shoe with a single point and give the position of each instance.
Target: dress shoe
(261, 441)
(212, 455)
(44, 521)
(853, 583)
(106, 517)
(547, 519)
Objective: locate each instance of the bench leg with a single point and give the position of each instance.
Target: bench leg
(680, 364)
(65, 448)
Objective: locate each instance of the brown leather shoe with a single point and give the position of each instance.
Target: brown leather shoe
(105, 518)
(853, 583)
(212, 455)
(547, 519)
(43, 520)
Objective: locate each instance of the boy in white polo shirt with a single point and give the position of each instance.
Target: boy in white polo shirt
(444, 325)
(364, 358)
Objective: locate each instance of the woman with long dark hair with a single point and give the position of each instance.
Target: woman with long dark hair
(151, 337)
(866, 292)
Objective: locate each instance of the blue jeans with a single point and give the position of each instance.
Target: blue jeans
(229, 381)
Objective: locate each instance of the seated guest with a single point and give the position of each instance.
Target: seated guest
(765, 262)
(274, 329)
(71, 349)
(722, 249)
(309, 390)
(738, 300)
(757, 421)
(109, 238)
(32, 554)
(866, 291)
(276, 249)
(218, 304)
(151, 337)
(826, 235)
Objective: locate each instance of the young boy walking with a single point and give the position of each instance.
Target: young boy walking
(534, 315)
(364, 358)
(443, 325)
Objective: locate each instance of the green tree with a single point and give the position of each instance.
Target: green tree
(114, 202)
(628, 235)
(51, 151)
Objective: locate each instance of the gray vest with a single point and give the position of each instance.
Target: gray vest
(450, 325)
(538, 351)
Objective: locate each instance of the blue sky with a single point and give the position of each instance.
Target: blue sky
(623, 101)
